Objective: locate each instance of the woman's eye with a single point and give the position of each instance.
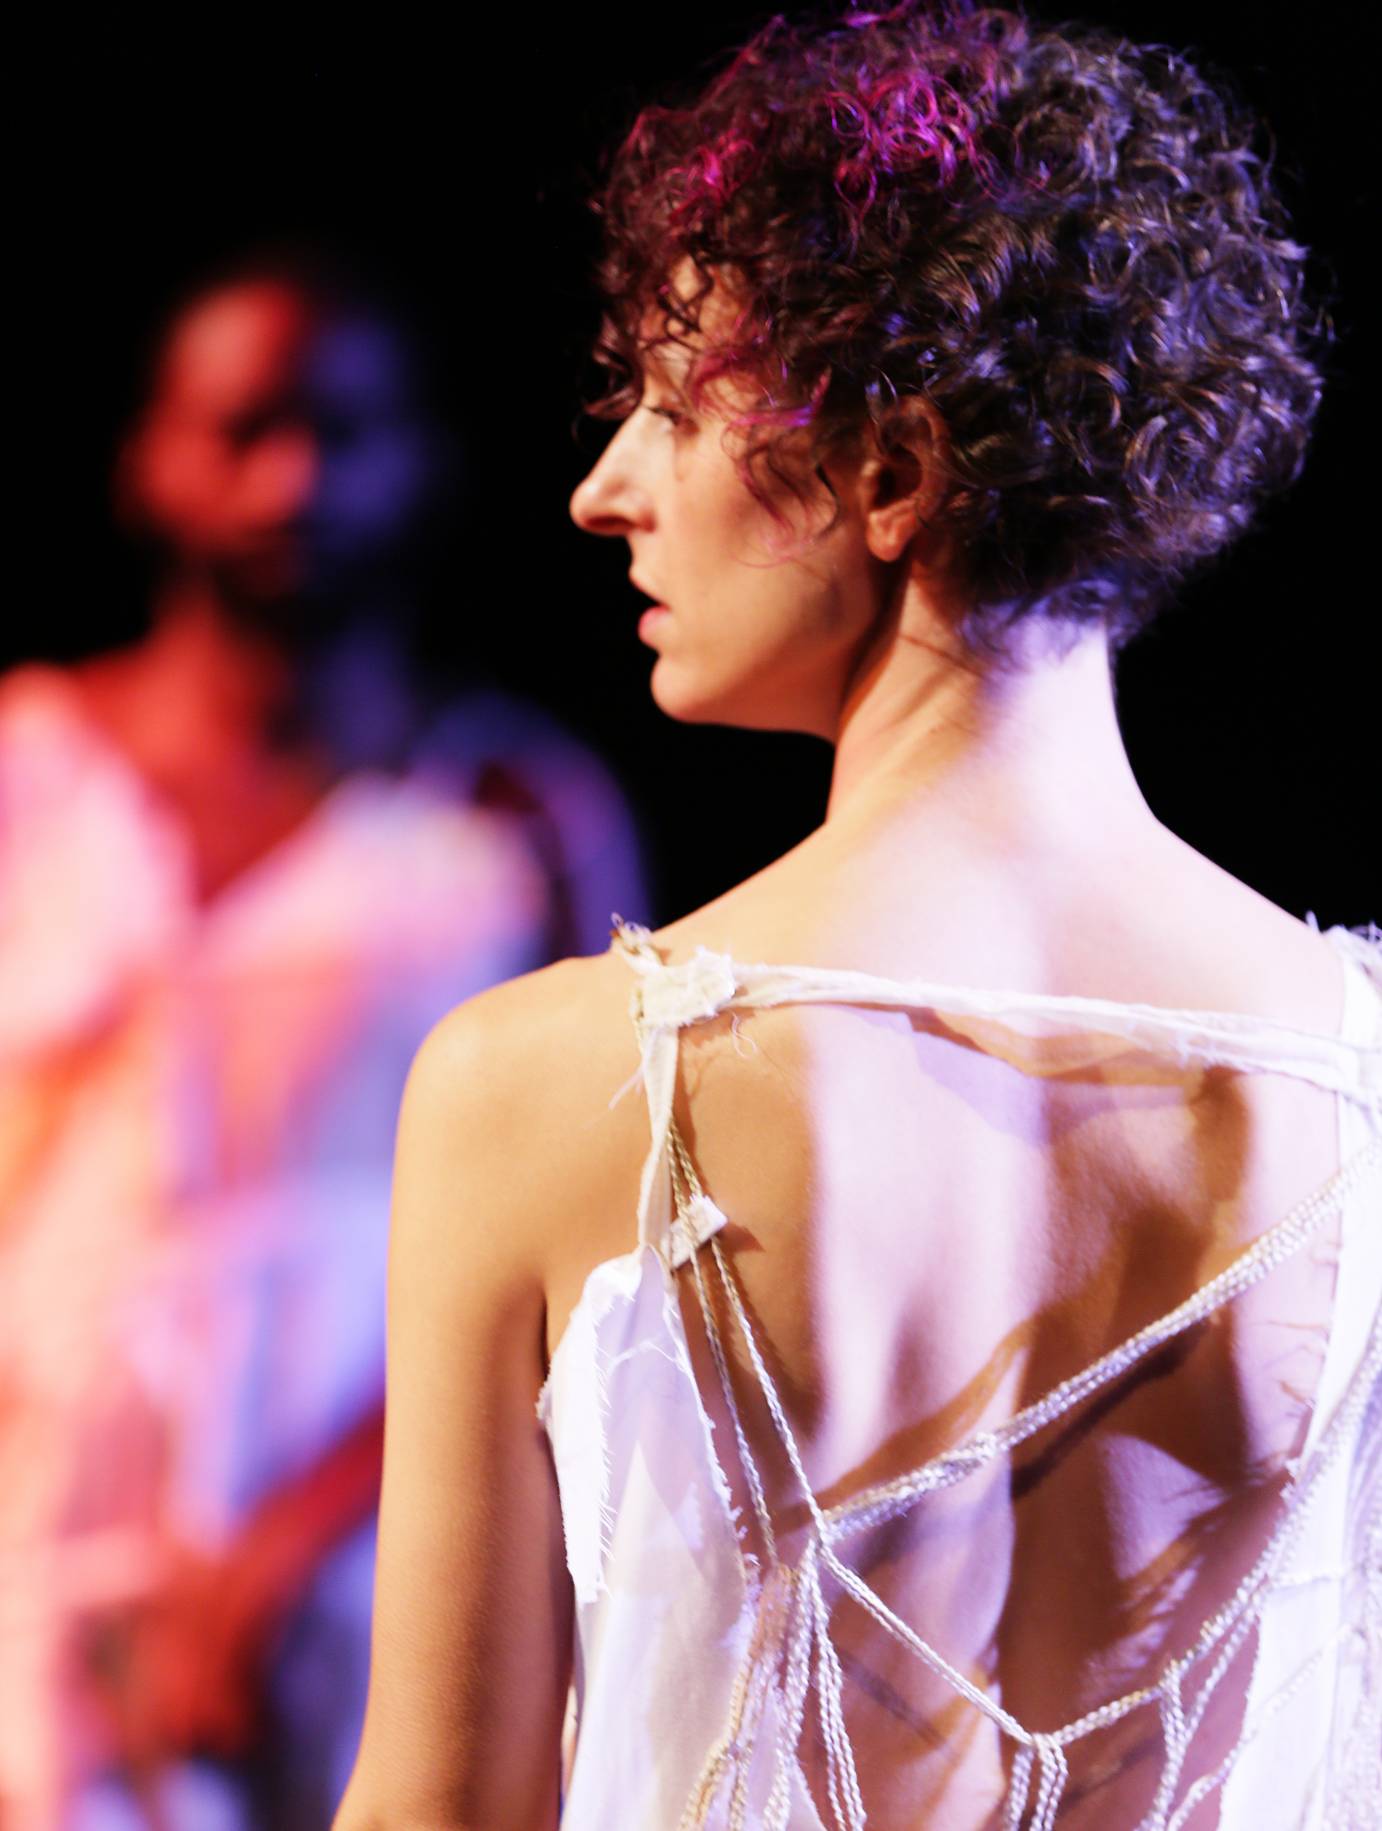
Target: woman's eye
(673, 415)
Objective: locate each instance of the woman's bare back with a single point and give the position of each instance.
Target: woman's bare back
(932, 1225)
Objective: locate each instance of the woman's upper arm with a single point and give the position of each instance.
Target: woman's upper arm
(472, 1611)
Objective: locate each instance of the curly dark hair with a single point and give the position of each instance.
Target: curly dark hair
(1067, 244)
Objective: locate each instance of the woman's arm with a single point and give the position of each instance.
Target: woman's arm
(472, 1611)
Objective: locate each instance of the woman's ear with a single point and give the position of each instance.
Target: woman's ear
(905, 479)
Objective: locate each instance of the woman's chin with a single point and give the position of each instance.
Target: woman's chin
(747, 707)
(685, 699)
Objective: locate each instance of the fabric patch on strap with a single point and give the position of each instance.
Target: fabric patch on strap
(688, 993)
(698, 1220)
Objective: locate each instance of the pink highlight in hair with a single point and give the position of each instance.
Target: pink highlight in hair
(1066, 244)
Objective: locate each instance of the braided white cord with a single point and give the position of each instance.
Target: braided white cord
(808, 1617)
(1207, 1783)
(727, 1751)
(1233, 1642)
(1232, 1624)
(850, 1579)
(1176, 1738)
(1238, 1613)
(815, 1609)
(1055, 1771)
(1251, 1592)
(1267, 1252)
(840, 1770)
(1019, 1786)
(1237, 1619)
(685, 1181)
(792, 1690)
(1232, 1629)
(730, 1755)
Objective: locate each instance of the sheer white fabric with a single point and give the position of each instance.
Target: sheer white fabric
(699, 1665)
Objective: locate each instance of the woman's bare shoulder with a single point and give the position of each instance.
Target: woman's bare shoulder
(1214, 942)
(549, 1040)
(1168, 927)
(513, 1103)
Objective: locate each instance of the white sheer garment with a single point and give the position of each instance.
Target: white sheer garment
(702, 1667)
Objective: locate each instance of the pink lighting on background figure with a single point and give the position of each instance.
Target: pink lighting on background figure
(246, 865)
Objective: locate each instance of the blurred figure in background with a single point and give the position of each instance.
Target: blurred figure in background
(243, 867)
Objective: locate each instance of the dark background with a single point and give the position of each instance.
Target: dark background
(457, 159)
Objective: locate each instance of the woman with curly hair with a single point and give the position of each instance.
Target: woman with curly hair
(963, 1410)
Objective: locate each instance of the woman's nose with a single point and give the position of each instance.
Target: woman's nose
(610, 500)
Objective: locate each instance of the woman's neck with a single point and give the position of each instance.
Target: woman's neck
(201, 682)
(1020, 755)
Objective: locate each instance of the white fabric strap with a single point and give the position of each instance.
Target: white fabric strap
(691, 991)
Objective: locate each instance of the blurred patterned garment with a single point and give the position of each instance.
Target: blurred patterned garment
(197, 1103)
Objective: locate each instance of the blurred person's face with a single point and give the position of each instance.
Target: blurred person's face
(283, 453)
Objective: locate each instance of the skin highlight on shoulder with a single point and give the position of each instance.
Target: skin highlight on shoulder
(529, 1093)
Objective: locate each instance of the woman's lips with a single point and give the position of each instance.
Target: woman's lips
(649, 621)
